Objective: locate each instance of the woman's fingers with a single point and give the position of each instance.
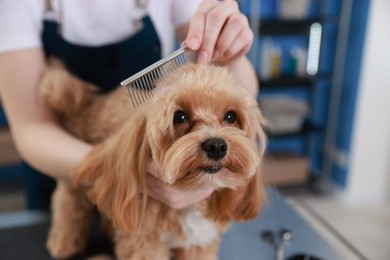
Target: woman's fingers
(197, 24)
(234, 40)
(207, 25)
(215, 21)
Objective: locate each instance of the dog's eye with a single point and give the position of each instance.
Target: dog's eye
(180, 117)
(230, 117)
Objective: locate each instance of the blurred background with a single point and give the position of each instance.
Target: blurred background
(323, 68)
(324, 73)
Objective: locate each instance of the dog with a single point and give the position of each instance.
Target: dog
(200, 127)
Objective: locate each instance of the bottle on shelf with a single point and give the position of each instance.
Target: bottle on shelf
(297, 62)
(276, 61)
(271, 60)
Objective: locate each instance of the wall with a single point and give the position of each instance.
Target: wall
(348, 89)
(368, 180)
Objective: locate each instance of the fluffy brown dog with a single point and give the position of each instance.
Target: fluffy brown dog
(201, 128)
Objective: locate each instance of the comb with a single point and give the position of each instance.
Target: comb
(141, 86)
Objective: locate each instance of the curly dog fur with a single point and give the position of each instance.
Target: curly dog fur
(201, 128)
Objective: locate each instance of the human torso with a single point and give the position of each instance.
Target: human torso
(90, 22)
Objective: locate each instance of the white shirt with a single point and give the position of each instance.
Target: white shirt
(90, 22)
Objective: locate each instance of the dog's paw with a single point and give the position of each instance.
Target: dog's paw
(62, 247)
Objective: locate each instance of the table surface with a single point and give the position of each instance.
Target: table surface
(23, 235)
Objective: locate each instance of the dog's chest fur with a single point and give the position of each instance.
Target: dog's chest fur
(198, 230)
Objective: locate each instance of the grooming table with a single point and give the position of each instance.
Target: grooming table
(23, 236)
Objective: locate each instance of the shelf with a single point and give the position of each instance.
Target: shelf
(286, 82)
(287, 135)
(306, 130)
(286, 27)
(285, 169)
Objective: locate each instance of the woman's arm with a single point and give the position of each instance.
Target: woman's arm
(39, 139)
(245, 74)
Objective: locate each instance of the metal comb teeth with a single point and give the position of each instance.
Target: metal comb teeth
(141, 86)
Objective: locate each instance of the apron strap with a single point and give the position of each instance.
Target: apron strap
(48, 6)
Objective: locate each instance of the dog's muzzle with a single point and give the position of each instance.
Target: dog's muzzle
(215, 148)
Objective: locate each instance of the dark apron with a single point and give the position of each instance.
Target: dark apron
(104, 66)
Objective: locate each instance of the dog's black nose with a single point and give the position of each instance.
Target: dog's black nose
(215, 148)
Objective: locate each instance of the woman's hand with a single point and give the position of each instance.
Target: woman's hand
(170, 196)
(219, 32)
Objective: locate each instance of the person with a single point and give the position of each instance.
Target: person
(104, 42)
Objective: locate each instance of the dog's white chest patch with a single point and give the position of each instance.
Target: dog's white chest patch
(198, 230)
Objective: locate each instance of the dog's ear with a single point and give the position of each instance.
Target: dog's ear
(254, 126)
(114, 175)
(240, 204)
